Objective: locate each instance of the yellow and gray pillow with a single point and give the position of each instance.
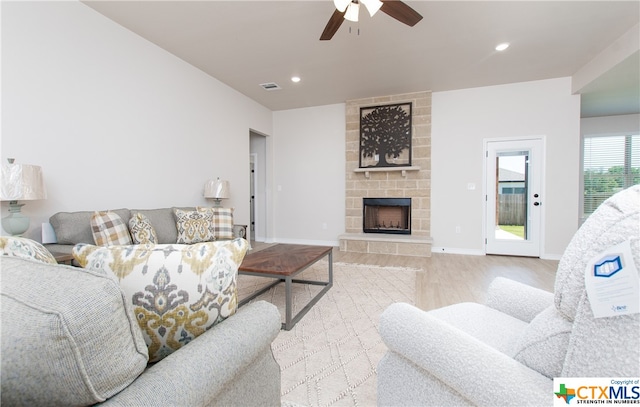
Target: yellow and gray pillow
(24, 248)
(142, 232)
(194, 226)
(177, 291)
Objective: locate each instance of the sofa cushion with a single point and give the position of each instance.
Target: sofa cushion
(68, 335)
(222, 219)
(142, 232)
(75, 227)
(544, 342)
(163, 221)
(194, 226)
(25, 248)
(109, 229)
(177, 291)
(486, 324)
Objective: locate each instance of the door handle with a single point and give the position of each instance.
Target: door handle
(536, 204)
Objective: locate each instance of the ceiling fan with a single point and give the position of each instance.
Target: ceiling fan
(349, 10)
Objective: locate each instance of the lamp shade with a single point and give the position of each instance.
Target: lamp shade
(22, 182)
(216, 189)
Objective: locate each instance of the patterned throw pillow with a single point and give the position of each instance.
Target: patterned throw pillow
(25, 248)
(194, 226)
(177, 291)
(109, 229)
(142, 232)
(222, 219)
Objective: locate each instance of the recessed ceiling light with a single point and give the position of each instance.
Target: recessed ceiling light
(502, 47)
(295, 79)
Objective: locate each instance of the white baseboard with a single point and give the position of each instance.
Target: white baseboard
(550, 256)
(332, 243)
(456, 250)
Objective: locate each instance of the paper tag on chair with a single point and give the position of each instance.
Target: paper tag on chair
(611, 280)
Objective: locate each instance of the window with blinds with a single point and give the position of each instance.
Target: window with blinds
(610, 164)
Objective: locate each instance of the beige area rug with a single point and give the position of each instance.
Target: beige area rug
(329, 358)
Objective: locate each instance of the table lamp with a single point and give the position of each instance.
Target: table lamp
(217, 190)
(20, 182)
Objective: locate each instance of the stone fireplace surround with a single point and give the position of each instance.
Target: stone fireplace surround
(399, 182)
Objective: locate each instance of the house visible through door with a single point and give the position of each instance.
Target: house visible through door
(514, 211)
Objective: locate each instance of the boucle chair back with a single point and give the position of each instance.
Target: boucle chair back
(609, 346)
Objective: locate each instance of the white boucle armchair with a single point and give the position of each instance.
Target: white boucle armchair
(507, 352)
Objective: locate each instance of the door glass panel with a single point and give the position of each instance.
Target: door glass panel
(511, 195)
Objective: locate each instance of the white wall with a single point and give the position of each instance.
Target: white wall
(308, 167)
(462, 119)
(113, 120)
(626, 124)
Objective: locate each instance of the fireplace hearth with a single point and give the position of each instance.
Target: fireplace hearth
(386, 215)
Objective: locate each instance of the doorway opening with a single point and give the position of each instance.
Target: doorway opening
(513, 196)
(258, 186)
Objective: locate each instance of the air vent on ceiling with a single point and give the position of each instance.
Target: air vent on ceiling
(270, 86)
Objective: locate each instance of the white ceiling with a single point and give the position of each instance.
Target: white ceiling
(246, 43)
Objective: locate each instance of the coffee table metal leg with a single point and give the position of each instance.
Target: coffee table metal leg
(327, 285)
(331, 268)
(288, 305)
(258, 293)
(290, 319)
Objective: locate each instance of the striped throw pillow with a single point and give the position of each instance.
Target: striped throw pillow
(222, 221)
(109, 229)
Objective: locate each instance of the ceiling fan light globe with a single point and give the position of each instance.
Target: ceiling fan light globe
(372, 6)
(341, 5)
(352, 12)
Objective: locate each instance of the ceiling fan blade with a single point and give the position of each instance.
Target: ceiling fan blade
(401, 12)
(332, 26)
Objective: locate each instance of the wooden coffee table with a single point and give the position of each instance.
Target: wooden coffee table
(284, 262)
(63, 258)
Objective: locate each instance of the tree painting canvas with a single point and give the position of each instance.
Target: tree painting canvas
(385, 136)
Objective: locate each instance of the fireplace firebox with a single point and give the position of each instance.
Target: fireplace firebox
(386, 215)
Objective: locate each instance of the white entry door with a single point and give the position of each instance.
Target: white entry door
(513, 216)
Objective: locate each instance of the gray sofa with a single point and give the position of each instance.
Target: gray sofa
(69, 338)
(72, 228)
(507, 352)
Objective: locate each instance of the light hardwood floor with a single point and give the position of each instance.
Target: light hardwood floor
(447, 279)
